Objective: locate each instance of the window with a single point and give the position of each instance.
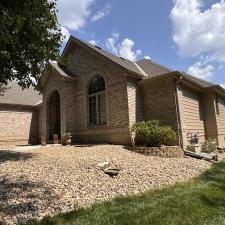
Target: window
(97, 102)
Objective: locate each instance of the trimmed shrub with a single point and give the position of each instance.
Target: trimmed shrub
(209, 146)
(153, 134)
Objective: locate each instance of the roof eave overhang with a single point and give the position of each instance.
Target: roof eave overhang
(21, 105)
(216, 88)
(174, 74)
(46, 74)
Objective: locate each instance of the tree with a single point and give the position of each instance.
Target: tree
(3, 88)
(30, 36)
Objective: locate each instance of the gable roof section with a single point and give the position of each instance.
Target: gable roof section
(124, 63)
(16, 96)
(143, 69)
(152, 69)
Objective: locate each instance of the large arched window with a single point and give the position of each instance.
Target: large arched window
(97, 101)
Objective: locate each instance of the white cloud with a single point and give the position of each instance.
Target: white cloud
(111, 43)
(222, 85)
(93, 42)
(101, 14)
(197, 31)
(66, 34)
(73, 14)
(124, 48)
(202, 71)
(147, 57)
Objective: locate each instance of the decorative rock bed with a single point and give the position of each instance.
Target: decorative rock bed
(48, 180)
(163, 151)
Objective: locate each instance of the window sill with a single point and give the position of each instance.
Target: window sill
(97, 126)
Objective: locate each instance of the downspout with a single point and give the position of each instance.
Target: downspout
(180, 133)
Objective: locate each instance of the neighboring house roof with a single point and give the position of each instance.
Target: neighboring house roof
(16, 96)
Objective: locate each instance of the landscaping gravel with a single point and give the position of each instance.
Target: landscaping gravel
(48, 180)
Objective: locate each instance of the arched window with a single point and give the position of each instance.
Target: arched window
(97, 101)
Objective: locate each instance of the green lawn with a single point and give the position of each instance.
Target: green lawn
(200, 201)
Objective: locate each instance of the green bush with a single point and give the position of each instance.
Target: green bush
(152, 134)
(209, 146)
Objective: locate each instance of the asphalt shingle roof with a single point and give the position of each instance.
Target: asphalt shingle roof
(145, 68)
(152, 69)
(199, 81)
(16, 96)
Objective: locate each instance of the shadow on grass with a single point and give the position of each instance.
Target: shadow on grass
(7, 155)
(23, 199)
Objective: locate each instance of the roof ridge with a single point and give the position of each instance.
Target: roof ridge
(142, 71)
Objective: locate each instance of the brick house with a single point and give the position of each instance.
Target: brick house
(19, 115)
(98, 96)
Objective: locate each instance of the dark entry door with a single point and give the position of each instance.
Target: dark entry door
(54, 115)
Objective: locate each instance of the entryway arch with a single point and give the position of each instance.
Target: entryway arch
(54, 117)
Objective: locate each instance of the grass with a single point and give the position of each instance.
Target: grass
(200, 201)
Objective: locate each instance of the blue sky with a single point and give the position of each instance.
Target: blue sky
(186, 35)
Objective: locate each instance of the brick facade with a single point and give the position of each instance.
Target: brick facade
(159, 102)
(74, 101)
(19, 124)
(134, 91)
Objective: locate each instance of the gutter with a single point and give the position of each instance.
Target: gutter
(177, 81)
(165, 75)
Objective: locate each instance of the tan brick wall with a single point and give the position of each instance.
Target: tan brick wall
(18, 124)
(210, 115)
(74, 101)
(194, 116)
(221, 121)
(134, 102)
(159, 102)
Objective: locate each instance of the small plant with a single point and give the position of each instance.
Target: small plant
(190, 148)
(209, 146)
(67, 138)
(153, 134)
(55, 138)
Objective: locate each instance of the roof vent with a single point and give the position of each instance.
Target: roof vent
(96, 46)
(122, 58)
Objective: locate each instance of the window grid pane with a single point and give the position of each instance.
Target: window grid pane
(102, 109)
(92, 111)
(97, 102)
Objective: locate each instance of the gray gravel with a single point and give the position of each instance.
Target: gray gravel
(48, 180)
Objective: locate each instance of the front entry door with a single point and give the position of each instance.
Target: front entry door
(54, 116)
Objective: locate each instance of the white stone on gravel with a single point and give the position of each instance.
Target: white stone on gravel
(48, 180)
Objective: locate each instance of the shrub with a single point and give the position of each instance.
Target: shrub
(152, 134)
(190, 148)
(209, 146)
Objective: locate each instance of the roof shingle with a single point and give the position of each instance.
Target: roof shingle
(16, 96)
